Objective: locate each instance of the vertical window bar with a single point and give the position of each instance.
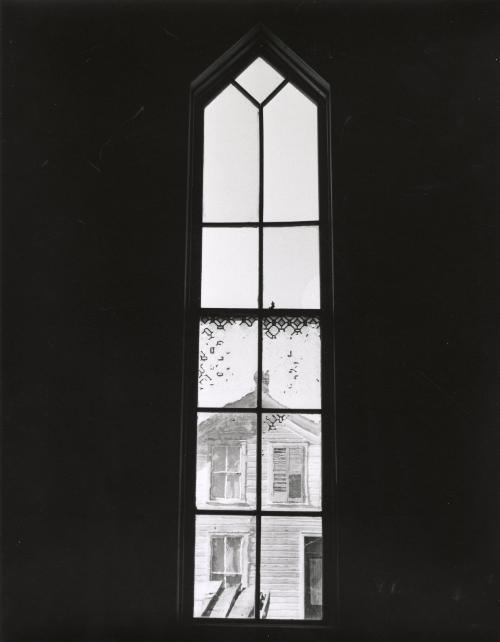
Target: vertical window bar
(258, 499)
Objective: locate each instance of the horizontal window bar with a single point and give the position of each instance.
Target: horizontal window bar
(266, 622)
(263, 513)
(263, 410)
(260, 312)
(263, 224)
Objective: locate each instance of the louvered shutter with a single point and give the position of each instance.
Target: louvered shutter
(280, 474)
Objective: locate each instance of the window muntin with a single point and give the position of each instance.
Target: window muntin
(274, 316)
(259, 79)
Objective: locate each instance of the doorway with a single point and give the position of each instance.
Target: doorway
(313, 578)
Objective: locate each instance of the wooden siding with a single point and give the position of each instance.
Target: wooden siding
(282, 572)
(206, 527)
(241, 431)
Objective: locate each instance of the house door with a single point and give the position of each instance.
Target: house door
(313, 578)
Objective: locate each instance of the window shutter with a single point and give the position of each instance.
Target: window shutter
(280, 474)
(296, 474)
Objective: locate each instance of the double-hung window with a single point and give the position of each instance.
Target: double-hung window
(226, 464)
(225, 560)
(258, 488)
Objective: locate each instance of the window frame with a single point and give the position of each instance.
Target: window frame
(259, 41)
(242, 499)
(224, 537)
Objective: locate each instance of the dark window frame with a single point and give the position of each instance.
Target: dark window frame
(259, 41)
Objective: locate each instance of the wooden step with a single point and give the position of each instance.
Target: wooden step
(206, 596)
(244, 605)
(225, 602)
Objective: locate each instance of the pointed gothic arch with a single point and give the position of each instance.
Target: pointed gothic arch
(249, 522)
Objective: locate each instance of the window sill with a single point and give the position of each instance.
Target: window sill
(219, 503)
(290, 506)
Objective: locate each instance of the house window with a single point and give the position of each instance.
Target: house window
(226, 473)
(259, 330)
(225, 560)
(288, 474)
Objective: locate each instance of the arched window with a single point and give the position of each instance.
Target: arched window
(258, 528)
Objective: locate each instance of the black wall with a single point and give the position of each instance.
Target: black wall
(95, 107)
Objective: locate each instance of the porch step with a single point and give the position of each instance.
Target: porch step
(225, 602)
(244, 605)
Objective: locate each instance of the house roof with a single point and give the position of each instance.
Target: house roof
(302, 425)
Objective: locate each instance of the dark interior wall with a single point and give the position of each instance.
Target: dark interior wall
(95, 107)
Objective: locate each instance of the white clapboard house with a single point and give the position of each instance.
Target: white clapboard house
(291, 552)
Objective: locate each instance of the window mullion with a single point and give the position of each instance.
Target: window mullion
(258, 454)
(225, 561)
(225, 472)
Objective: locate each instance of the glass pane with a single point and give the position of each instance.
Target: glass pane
(218, 459)
(233, 490)
(227, 362)
(296, 459)
(291, 462)
(229, 272)
(231, 159)
(233, 458)
(290, 157)
(224, 593)
(291, 267)
(218, 554)
(236, 434)
(259, 79)
(295, 487)
(233, 553)
(218, 486)
(219, 577)
(289, 589)
(291, 362)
